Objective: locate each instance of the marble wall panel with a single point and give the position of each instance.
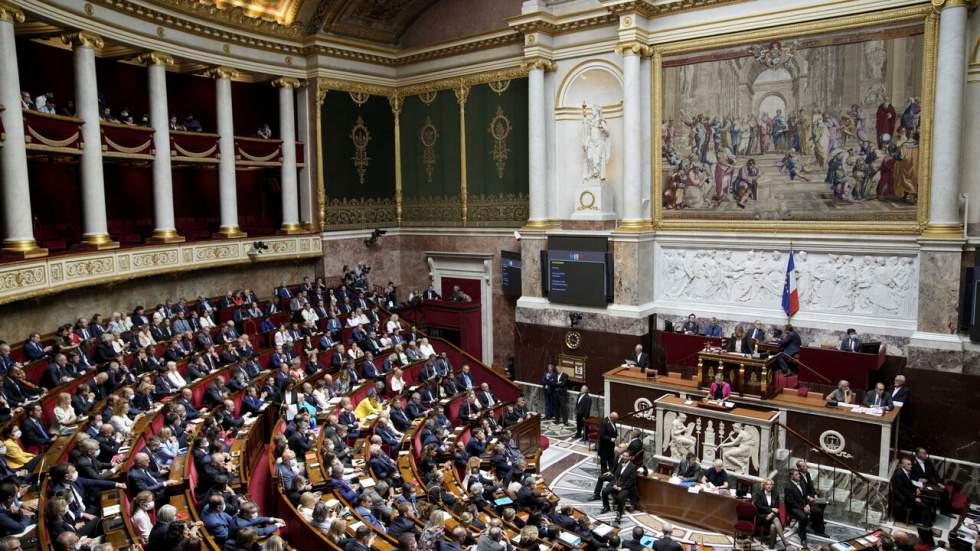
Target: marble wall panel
(939, 287)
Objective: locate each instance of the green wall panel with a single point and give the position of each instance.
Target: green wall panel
(492, 166)
(358, 196)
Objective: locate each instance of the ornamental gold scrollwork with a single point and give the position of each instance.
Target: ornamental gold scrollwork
(500, 128)
(438, 210)
(20, 278)
(497, 209)
(10, 13)
(428, 97)
(360, 136)
(84, 39)
(428, 136)
(360, 98)
(357, 213)
(499, 86)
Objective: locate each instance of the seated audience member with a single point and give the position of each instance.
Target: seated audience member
(33, 433)
(64, 414)
(14, 518)
(766, 503)
(842, 394)
(141, 505)
(922, 467)
(688, 469)
(142, 478)
(850, 343)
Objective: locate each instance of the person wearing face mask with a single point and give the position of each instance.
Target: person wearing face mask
(16, 457)
(6, 473)
(81, 495)
(141, 507)
(219, 524)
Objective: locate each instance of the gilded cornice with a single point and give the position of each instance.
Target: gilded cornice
(286, 82)
(83, 38)
(326, 84)
(210, 31)
(234, 16)
(155, 58)
(368, 54)
(943, 4)
(10, 13)
(645, 8)
(547, 23)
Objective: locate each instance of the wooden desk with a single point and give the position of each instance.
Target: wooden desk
(706, 510)
(747, 376)
(866, 439)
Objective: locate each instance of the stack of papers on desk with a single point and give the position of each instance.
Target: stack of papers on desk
(110, 510)
(569, 538)
(366, 482)
(602, 530)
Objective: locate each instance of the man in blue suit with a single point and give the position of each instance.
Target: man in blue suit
(384, 467)
(363, 508)
(337, 482)
(141, 479)
(220, 524)
(464, 380)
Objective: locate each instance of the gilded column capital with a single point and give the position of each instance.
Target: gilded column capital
(633, 47)
(221, 72)
(396, 102)
(155, 58)
(462, 93)
(286, 82)
(10, 13)
(541, 63)
(83, 39)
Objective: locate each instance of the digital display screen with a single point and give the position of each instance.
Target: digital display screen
(578, 270)
(510, 277)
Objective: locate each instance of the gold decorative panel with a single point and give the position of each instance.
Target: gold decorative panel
(498, 209)
(360, 213)
(432, 211)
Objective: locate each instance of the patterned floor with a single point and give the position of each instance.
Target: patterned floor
(571, 469)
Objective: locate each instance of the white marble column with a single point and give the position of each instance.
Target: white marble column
(287, 132)
(227, 185)
(537, 150)
(164, 228)
(551, 127)
(632, 200)
(95, 229)
(944, 216)
(18, 234)
(304, 121)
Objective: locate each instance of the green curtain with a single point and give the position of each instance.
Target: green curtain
(358, 141)
(431, 160)
(497, 154)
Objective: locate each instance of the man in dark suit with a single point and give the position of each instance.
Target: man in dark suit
(634, 544)
(812, 496)
(899, 392)
(797, 505)
(878, 398)
(789, 346)
(464, 381)
(34, 349)
(639, 358)
(398, 416)
(141, 478)
(850, 343)
(688, 469)
(88, 463)
(758, 332)
(623, 487)
(561, 396)
(667, 543)
(607, 441)
(922, 467)
(32, 429)
(690, 326)
(907, 504)
(56, 372)
(583, 408)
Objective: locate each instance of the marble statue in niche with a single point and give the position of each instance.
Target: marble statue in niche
(596, 144)
(741, 449)
(679, 438)
(872, 285)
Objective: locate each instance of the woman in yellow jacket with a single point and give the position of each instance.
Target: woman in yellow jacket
(368, 406)
(15, 455)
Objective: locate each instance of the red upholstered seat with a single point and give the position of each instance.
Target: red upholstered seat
(745, 514)
(545, 443)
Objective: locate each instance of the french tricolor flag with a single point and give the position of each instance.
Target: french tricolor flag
(791, 297)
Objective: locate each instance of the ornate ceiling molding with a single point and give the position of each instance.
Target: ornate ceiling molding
(332, 84)
(391, 57)
(235, 16)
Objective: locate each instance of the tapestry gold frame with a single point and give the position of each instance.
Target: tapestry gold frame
(924, 14)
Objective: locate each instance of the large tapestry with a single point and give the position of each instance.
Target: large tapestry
(806, 126)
